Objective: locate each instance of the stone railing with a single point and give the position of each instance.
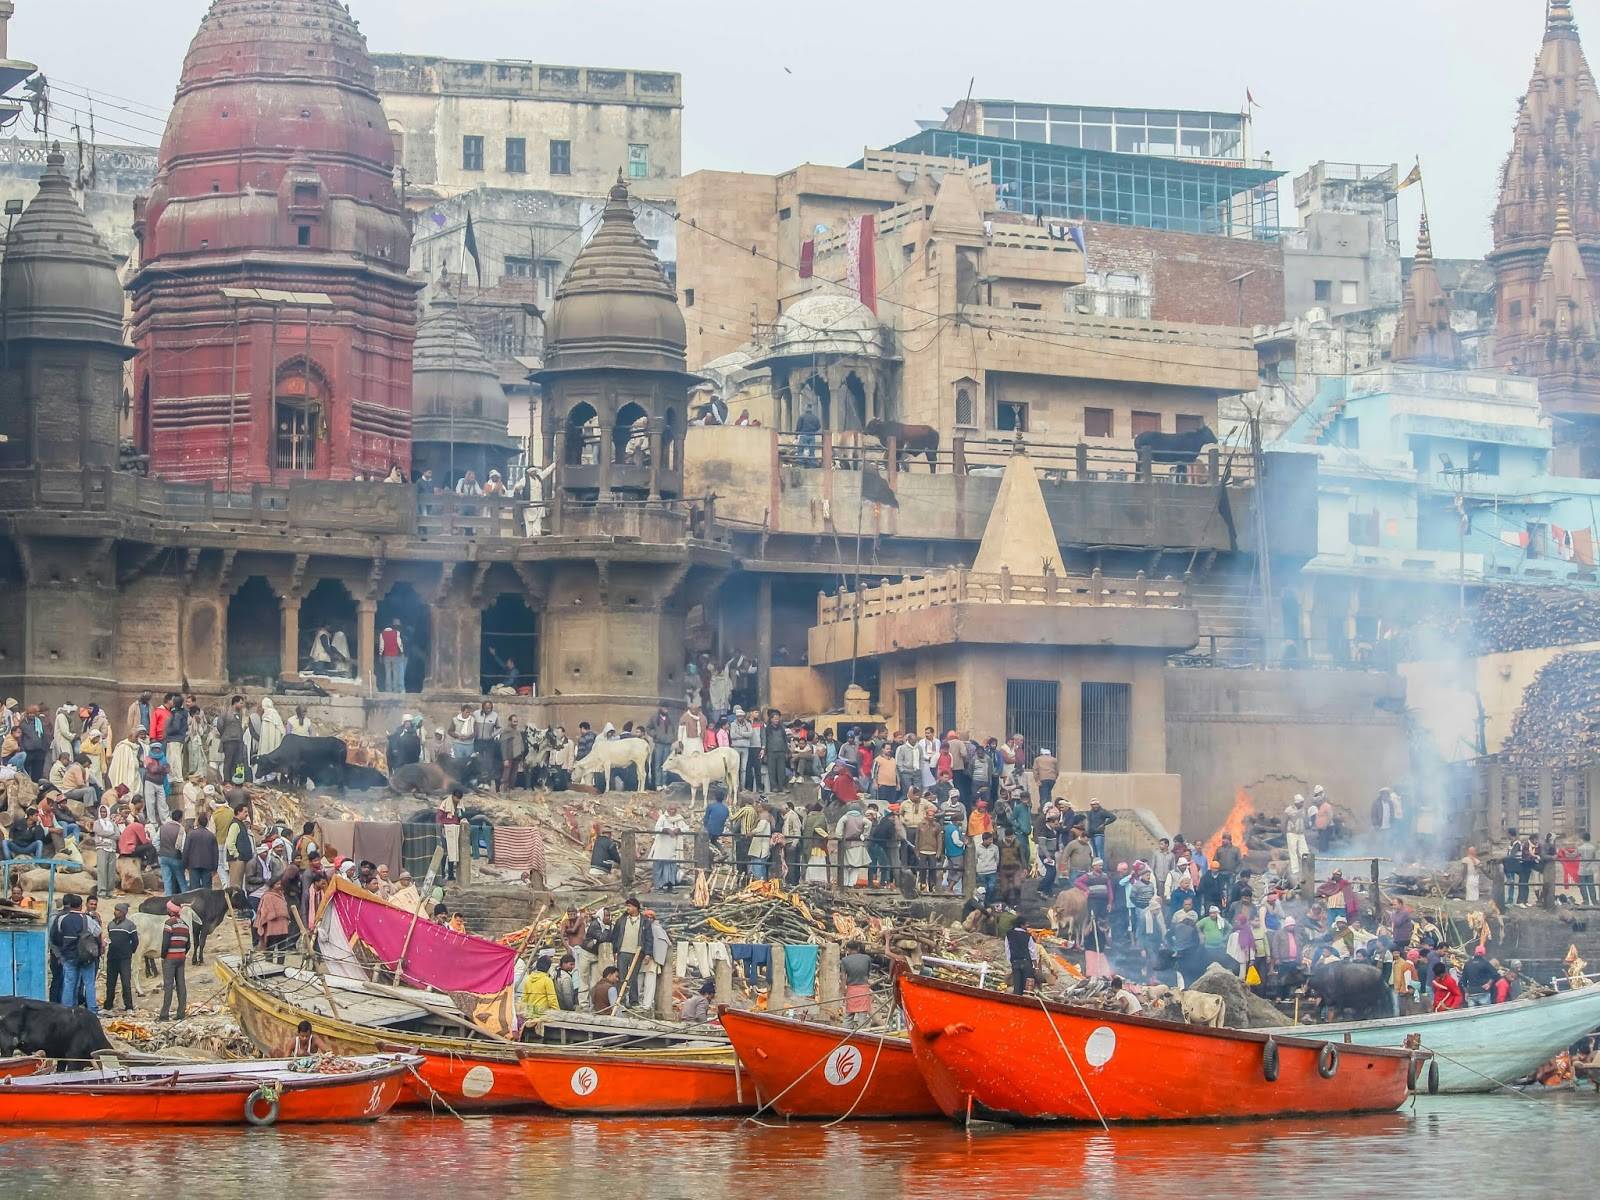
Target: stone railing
(961, 586)
(1092, 328)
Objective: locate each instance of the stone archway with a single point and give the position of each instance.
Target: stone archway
(630, 436)
(329, 607)
(582, 435)
(405, 605)
(510, 643)
(253, 630)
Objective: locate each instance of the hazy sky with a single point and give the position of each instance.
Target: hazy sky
(1346, 80)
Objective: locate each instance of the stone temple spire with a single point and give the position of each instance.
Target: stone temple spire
(1424, 334)
(1565, 309)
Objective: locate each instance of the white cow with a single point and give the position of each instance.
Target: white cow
(607, 754)
(699, 771)
(147, 958)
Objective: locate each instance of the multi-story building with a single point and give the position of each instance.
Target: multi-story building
(1345, 257)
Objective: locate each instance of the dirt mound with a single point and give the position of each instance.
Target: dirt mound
(1244, 1009)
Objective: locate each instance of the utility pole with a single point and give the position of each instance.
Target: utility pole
(1263, 546)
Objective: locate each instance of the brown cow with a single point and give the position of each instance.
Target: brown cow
(1070, 914)
(909, 441)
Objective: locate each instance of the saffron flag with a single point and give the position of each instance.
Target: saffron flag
(1414, 177)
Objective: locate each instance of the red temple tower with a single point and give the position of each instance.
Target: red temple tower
(273, 314)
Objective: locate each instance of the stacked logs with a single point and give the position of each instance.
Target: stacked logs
(1558, 724)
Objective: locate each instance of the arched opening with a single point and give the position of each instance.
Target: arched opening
(328, 631)
(815, 391)
(300, 417)
(855, 406)
(253, 632)
(415, 625)
(583, 436)
(510, 654)
(671, 458)
(630, 437)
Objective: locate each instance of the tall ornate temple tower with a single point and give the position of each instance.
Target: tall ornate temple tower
(1424, 334)
(1547, 242)
(276, 184)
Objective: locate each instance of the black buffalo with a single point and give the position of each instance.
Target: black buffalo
(72, 1036)
(1355, 989)
(211, 908)
(437, 777)
(1180, 449)
(321, 759)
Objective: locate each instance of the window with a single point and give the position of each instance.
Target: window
(560, 157)
(908, 708)
(1032, 710)
(944, 700)
(638, 161)
(517, 156)
(966, 407)
(1188, 423)
(1011, 416)
(784, 214)
(304, 233)
(688, 297)
(1516, 308)
(1483, 458)
(472, 153)
(1364, 529)
(1322, 291)
(518, 267)
(1097, 423)
(1146, 422)
(1104, 726)
(1027, 306)
(304, 193)
(1349, 292)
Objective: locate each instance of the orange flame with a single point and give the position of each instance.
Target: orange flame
(1241, 812)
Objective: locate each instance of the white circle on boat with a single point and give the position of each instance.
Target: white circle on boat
(584, 1081)
(1102, 1044)
(843, 1065)
(477, 1082)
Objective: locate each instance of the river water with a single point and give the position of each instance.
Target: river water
(1444, 1146)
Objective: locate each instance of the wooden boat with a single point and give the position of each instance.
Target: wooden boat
(805, 1070)
(13, 1068)
(247, 1093)
(1019, 1059)
(1479, 1049)
(621, 1084)
(462, 1066)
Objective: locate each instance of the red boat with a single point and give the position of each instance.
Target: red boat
(245, 1093)
(651, 1087)
(11, 1068)
(806, 1070)
(1019, 1058)
(465, 1081)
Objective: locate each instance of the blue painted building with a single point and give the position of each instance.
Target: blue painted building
(1432, 480)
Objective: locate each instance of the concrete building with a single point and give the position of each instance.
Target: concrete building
(1345, 256)
(107, 181)
(276, 183)
(461, 125)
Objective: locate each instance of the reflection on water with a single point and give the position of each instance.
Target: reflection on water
(1456, 1146)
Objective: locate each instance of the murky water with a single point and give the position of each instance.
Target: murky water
(1456, 1146)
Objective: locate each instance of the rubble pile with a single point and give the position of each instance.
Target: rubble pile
(1558, 724)
(206, 1035)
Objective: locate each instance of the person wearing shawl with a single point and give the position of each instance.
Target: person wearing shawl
(105, 832)
(272, 729)
(125, 761)
(96, 740)
(67, 727)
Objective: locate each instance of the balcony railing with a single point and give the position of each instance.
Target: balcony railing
(958, 585)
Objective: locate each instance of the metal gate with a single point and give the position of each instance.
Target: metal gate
(1032, 709)
(908, 710)
(1105, 726)
(944, 700)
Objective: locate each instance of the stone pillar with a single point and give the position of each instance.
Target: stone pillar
(829, 995)
(657, 445)
(723, 971)
(366, 635)
(666, 993)
(778, 997)
(289, 636)
(764, 640)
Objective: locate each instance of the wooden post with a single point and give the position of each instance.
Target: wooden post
(778, 996)
(1377, 897)
(837, 845)
(1308, 877)
(724, 976)
(629, 860)
(666, 993)
(702, 850)
(969, 871)
(829, 994)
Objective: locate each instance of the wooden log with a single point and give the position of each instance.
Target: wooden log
(778, 995)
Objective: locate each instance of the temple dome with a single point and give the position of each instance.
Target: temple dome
(453, 380)
(60, 282)
(827, 323)
(615, 309)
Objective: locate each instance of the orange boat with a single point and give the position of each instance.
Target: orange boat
(32, 1064)
(812, 1071)
(245, 1093)
(1019, 1058)
(464, 1080)
(626, 1085)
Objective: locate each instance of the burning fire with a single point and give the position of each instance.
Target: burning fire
(1241, 812)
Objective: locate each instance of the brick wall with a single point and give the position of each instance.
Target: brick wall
(1188, 273)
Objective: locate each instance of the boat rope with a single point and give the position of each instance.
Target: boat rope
(861, 1095)
(437, 1098)
(1082, 1082)
(796, 1080)
(1516, 1091)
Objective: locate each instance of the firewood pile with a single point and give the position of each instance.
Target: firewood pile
(1558, 724)
(1263, 833)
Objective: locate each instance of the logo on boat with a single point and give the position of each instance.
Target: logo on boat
(843, 1065)
(375, 1101)
(477, 1082)
(1102, 1044)
(584, 1081)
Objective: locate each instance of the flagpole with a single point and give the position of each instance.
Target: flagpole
(1422, 188)
(855, 607)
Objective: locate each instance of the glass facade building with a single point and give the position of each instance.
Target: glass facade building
(1048, 174)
